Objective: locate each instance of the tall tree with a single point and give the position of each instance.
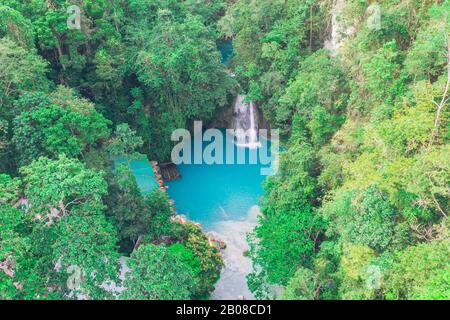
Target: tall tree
(157, 274)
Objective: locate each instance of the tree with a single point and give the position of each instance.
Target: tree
(54, 188)
(304, 285)
(428, 179)
(125, 142)
(356, 268)
(71, 238)
(429, 51)
(15, 26)
(127, 207)
(4, 143)
(180, 69)
(66, 238)
(10, 189)
(320, 107)
(23, 70)
(362, 192)
(65, 124)
(288, 228)
(14, 246)
(271, 39)
(157, 274)
(188, 257)
(420, 272)
(364, 219)
(211, 261)
(14, 239)
(382, 74)
(86, 254)
(159, 208)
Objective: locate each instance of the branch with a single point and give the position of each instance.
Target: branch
(441, 105)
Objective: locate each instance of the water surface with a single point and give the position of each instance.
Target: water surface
(142, 171)
(227, 51)
(224, 199)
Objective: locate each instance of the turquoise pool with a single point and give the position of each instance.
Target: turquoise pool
(211, 193)
(224, 199)
(143, 172)
(226, 49)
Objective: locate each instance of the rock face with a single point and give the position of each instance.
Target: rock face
(169, 171)
(338, 29)
(263, 123)
(227, 118)
(223, 119)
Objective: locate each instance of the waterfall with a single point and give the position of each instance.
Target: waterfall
(246, 124)
(338, 29)
(253, 129)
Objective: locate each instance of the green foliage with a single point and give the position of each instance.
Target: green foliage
(364, 178)
(287, 242)
(57, 234)
(179, 65)
(362, 188)
(318, 95)
(188, 257)
(126, 205)
(428, 53)
(4, 135)
(381, 74)
(164, 49)
(10, 189)
(430, 184)
(303, 285)
(158, 207)
(135, 215)
(22, 70)
(14, 245)
(157, 274)
(86, 242)
(16, 27)
(355, 266)
(210, 259)
(125, 142)
(285, 238)
(364, 219)
(271, 39)
(55, 187)
(421, 272)
(52, 137)
(66, 124)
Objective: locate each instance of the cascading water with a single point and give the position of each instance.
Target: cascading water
(339, 31)
(246, 124)
(253, 128)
